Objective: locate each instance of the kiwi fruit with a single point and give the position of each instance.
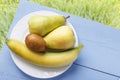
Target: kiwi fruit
(35, 42)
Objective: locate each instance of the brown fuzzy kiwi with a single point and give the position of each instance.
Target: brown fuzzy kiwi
(35, 42)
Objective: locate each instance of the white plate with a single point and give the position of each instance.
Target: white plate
(19, 32)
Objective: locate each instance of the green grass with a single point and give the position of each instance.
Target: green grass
(7, 11)
(103, 11)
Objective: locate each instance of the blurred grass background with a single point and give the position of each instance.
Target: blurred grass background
(103, 11)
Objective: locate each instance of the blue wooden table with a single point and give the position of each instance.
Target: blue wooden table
(99, 59)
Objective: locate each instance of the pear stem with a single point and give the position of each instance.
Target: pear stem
(67, 17)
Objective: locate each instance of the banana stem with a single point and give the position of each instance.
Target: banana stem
(6, 40)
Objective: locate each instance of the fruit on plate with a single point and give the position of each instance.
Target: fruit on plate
(44, 24)
(47, 59)
(35, 42)
(60, 38)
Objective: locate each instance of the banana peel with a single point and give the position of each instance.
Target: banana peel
(46, 59)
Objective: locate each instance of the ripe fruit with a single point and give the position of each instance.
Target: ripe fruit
(48, 59)
(44, 24)
(35, 42)
(61, 38)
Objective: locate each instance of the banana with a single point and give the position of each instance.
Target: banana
(46, 59)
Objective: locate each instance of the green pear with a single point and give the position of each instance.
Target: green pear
(61, 38)
(47, 59)
(44, 24)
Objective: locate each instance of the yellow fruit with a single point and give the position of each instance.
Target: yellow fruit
(61, 38)
(44, 24)
(47, 59)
